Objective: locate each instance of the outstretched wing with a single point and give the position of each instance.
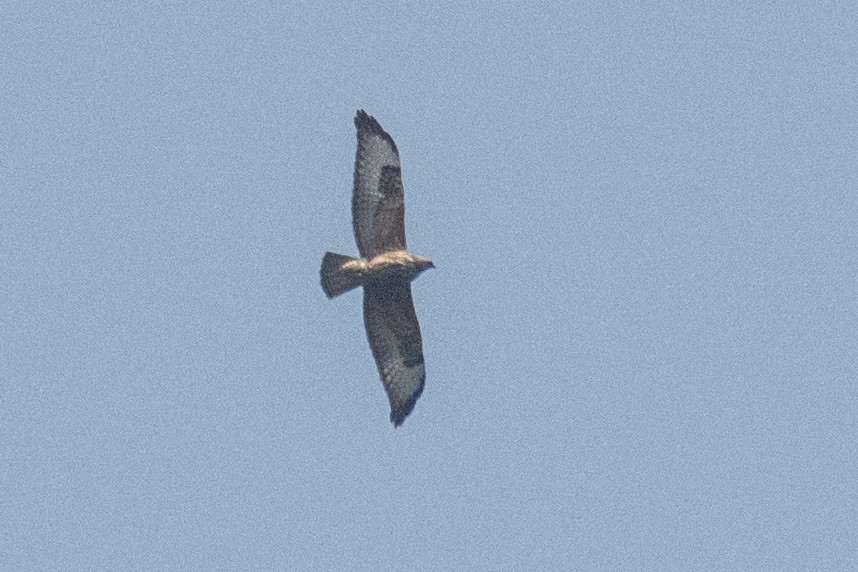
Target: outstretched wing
(378, 202)
(394, 336)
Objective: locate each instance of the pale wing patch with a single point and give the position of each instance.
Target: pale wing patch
(389, 226)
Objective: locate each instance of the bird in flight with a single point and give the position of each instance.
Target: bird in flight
(385, 268)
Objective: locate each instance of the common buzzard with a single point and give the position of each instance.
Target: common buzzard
(385, 268)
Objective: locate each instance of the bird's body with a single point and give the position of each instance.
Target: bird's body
(395, 265)
(342, 273)
(385, 268)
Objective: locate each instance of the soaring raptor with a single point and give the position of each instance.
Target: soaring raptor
(385, 268)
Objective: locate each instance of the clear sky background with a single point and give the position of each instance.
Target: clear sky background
(641, 337)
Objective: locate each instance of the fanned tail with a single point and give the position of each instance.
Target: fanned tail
(335, 278)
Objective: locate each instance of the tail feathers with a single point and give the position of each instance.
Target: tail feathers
(335, 278)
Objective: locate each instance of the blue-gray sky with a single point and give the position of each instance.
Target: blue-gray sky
(640, 337)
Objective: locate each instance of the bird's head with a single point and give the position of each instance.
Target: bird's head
(422, 263)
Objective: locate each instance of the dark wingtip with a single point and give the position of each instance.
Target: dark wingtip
(363, 119)
(397, 416)
(366, 122)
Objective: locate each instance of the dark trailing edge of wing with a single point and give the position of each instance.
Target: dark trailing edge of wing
(365, 121)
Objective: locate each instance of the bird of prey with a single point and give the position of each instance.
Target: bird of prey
(385, 268)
